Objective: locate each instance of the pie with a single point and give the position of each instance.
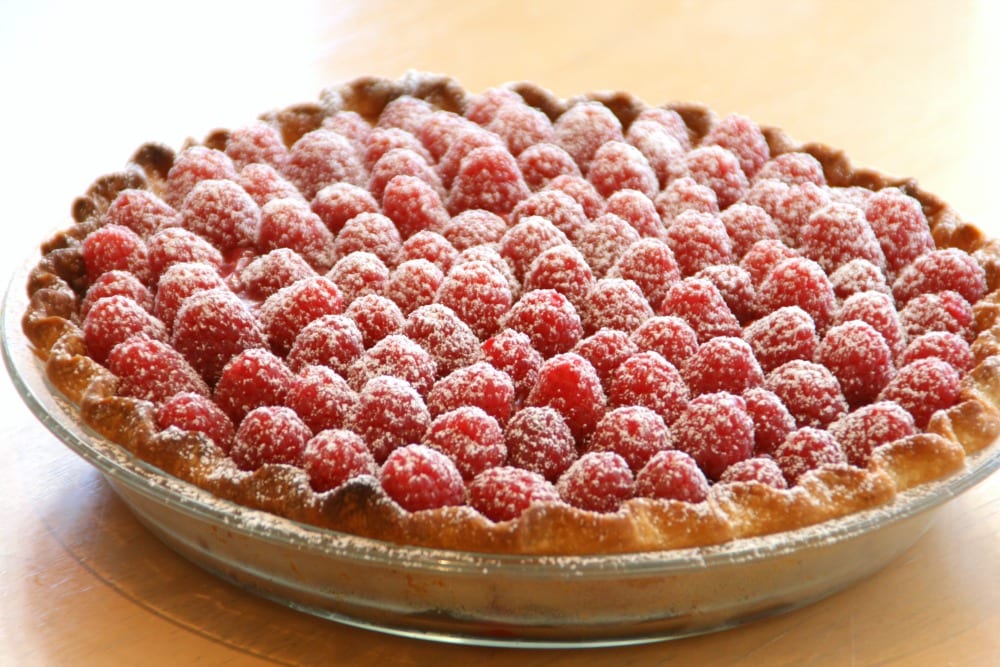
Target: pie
(507, 322)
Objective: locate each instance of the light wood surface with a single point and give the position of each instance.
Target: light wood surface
(908, 87)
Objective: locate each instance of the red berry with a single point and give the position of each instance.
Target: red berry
(539, 440)
(480, 385)
(685, 194)
(763, 256)
(946, 346)
(744, 139)
(604, 240)
(358, 274)
(115, 248)
(548, 319)
(337, 203)
(617, 166)
(716, 431)
(900, 226)
(376, 317)
(256, 142)
(878, 310)
(723, 363)
(333, 457)
(370, 232)
(698, 240)
(543, 162)
(581, 190)
(561, 268)
(747, 224)
(638, 210)
(249, 380)
(483, 107)
(793, 169)
(837, 234)
(735, 286)
(809, 391)
(663, 151)
(120, 283)
(474, 227)
(488, 178)
(799, 282)
(114, 319)
(606, 349)
(634, 432)
(763, 470)
(650, 264)
(322, 157)
(431, 246)
(699, 303)
(389, 414)
(670, 121)
(649, 380)
(859, 358)
(197, 413)
(669, 336)
(939, 271)
(564, 212)
(583, 128)
(448, 339)
(399, 357)
(505, 492)
(521, 126)
(264, 183)
(321, 397)
(286, 312)
(782, 336)
(941, 311)
(598, 482)
(420, 478)
(179, 282)
(222, 213)
(329, 340)
(793, 210)
(460, 148)
(511, 352)
(405, 112)
(350, 124)
(922, 388)
(479, 294)
(413, 284)
(717, 168)
(856, 276)
(569, 384)
(528, 239)
(402, 162)
(615, 303)
(807, 449)
(672, 475)
(290, 223)
(192, 165)
(469, 437)
(266, 274)
(870, 426)
(174, 245)
(771, 420)
(152, 370)
(382, 140)
(141, 211)
(269, 434)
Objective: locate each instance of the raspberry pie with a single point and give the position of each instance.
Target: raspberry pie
(510, 323)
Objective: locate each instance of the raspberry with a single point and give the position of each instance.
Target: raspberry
(943, 311)
(321, 397)
(178, 283)
(120, 283)
(762, 258)
(141, 211)
(256, 142)
(449, 340)
(793, 169)
(672, 475)
(650, 264)
(526, 240)
(549, 320)
(329, 340)
(561, 268)
(901, 227)
(669, 336)
(598, 482)
(483, 107)
(389, 414)
(413, 284)
(114, 319)
(614, 303)
(634, 432)
(479, 294)
(322, 157)
(767, 194)
(809, 391)
(870, 426)
(397, 356)
(174, 245)
(606, 349)
(264, 183)
(511, 351)
(370, 232)
(480, 385)
(489, 255)
(604, 240)
(212, 327)
(269, 434)
(420, 478)
(583, 128)
(876, 309)
(290, 223)
(222, 213)
(286, 312)
(195, 412)
(662, 150)
(461, 147)
(856, 276)
(376, 317)
(782, 336)
(152, 370)
(859, 358)
(538, 440)
(266, 274)
(543, 162)
(115, 248)
(946, 346)
(715, 167)
(838, 233)
(771, 420)
(488, 178)
(723, 363)
(735, 286)
(685, 194)
(335, 456)
(763, 470)
(939, 271)
(521, 126)
(716, 431)
(808, 449)
(431, 246)
(796, 205)
(699, 303)
(339, 202)
(194, 164)
(698, 240)
(922, 388)
(581, 190)
(670, 121)
(569, 384)
(350, 124)
(402, 162)
(358, 274)
(405, 112)
(617, 165)
(799, 282)
(747, 224)
(638, 210)
(438, 129)
(504, 493)
(854, 195)
(474, 227)
(249, 380)
(564, 212)
(469, 437)
(649, 380)
(744, 139)
(382, 140)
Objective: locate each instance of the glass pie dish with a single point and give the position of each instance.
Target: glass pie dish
(473, 598)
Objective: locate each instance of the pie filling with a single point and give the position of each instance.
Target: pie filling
(508, 322)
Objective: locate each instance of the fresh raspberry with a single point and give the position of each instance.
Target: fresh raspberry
(178, 283)
(449, 340)
(698, 240)
(807, 449)
(404, 162)
(583, 128)
(290, 223)
(736, 287)
(195, 412)
(461, 147)
(480, 385)
(617, 165)
(121, 283)
(767, 194)
(855, 195)
(699, 303)
(413, 284)
(469, 437)
(614, 303)
(649, 380)
(549, 320)
(322, 157)
(939, 271)
(669, 120)
(782, 336)
(405, 112)
(672, 475)
(521, 126)
(606, 349)
(922, 388)
(859, 358)
(256, 142)
(634, 432)
(744, 139)
(837, 234)
(568, 383)
(796, 205)
(504, 493)
(389, 414)
(349, 124)
(946, 346)
(604, 240)
(715, 430)
(397, 356)
(321, 397)
(526, 240)
(598, 482)
(650, 264)
(114, 319)
(511, 352)
(723, 363)
(943, 311)
(543, 162)
(192, 165)
(900, 226)
(663, 152)
(431, 246)
(479, 294)
(420, 478)
(337, 203)
(439, 129)
(870, 426)
(376, 317)
(152, 370)
(810, 392)
(382, 140)
(329, 340)
(538, 440)
(670, 337)
(717, 168)
(489, 255)
(335, 456)
(561, 268)
(762, 258)
(115, 248)
(564, 212)
(799, 282)
(141, 211)
(761, 469)
(174, 245)
(856, 276)
(685, 194)
(266, 274)
(638, 210)
(793, 169)
(286, 312)
(878, 310)
(488, 178)
(264, 183)
(370, 232)
(269, 434)
(222, 213)
(474, 227)
(747, 224)
(358, 274)
(581, 190)
(249, 380)
(482, 108)
(771, 420)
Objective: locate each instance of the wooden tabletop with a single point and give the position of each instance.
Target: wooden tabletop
(908, 87)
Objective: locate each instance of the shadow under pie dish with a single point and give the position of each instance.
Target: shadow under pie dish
(577, 199)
